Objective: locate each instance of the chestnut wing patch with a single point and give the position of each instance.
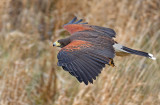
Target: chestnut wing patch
(73, 27)
(83, 60)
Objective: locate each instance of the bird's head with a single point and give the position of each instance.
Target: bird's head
(62, 42)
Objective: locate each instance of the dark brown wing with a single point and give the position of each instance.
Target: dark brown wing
(73, 27)
(84, 59)
(103, 30)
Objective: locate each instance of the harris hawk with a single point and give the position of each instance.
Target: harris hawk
(89, 48)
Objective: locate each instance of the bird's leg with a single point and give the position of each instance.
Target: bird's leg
(111, 62)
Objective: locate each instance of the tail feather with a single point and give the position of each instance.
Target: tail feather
(119, 48)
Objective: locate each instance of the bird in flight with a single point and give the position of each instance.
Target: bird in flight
(89, 48)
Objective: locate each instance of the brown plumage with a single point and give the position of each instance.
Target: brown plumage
(88, 49)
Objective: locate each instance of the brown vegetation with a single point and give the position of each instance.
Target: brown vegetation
(28, 71)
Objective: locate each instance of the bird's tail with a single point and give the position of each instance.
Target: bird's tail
(122, 51)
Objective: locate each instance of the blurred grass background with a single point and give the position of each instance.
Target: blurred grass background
(28, 71)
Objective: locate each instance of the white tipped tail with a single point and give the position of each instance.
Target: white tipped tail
(122, 49)
(151, 56)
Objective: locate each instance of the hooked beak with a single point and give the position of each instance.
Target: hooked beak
(56, 44)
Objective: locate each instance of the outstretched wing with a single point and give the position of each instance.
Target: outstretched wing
(84, 59)
(73, 27)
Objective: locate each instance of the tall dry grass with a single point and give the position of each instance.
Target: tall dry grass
(28, 71)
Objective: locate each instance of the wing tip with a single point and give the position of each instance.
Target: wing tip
(73, 21)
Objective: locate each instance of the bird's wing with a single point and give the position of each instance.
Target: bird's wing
(73, 27)
(84, 59)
